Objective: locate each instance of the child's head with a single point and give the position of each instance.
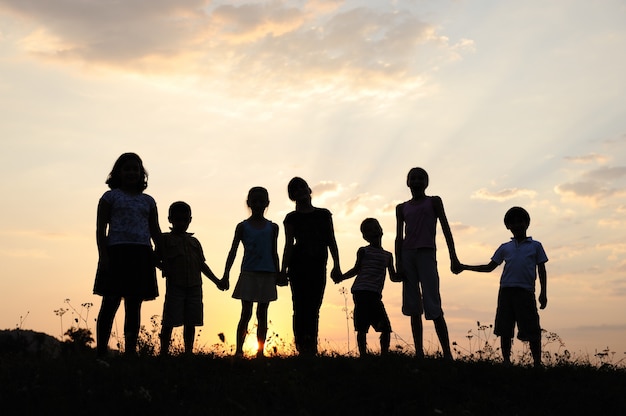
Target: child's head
(296, 187)
(417, 176)
(179, 216)
(517, 218)
(258, 198)
(128, 169)
(371, 230)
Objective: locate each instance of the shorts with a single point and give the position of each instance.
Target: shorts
(517, 305)
(256, 287)
(420, 287)
(370, 311)
(183, 306)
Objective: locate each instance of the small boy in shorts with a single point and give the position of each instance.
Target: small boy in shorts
(372, 263)
(524, 259)
(183, 263)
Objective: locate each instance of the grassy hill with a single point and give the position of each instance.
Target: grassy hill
(75, 383)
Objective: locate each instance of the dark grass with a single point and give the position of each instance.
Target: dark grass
(396, 384)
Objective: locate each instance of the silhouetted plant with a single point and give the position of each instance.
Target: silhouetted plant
(79, 339)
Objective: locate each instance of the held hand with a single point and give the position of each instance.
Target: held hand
(336, 279)
(543, 301)
(281, 279)
(224, 284)
(400, 276)
(455, 266)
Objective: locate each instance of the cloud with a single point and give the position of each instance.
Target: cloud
(359, 203)
(606, 173)
(324, 188)
(590, 158)
(587, 189)
(503, 195)
(321, 44)
(595, 185)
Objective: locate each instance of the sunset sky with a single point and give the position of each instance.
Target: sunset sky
(503, 102)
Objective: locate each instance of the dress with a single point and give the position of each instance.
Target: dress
(307, 272)
(131, 270)
(257, 280)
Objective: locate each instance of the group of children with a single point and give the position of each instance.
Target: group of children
(127, 225)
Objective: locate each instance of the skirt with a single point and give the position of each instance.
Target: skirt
(256, 287)
(131, 273)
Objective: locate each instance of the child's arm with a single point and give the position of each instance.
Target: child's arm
(155, 228)
(399, 241)
(483, 268)
(212, 277)
(231, 256)
(102, 221)
(543, 282)
(334, 252)
(289, 242)
(353, 271)
(393, 276)
(281, 279)
(447, 233)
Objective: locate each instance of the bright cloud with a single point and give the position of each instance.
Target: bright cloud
(276, 43)
(503, 195)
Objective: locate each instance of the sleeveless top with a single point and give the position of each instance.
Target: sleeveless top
(257, 253)
(420, 224)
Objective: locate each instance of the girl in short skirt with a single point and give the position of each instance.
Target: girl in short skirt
(259, 267)
(127, 224)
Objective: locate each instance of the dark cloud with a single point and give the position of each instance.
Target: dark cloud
(585, 189)
(606, 173)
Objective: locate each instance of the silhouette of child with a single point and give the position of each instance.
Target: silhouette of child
(127, 221)
(309, 236)
(183, 265)
(523, 259)
(416, 259)
(372, 263)
(257, 280)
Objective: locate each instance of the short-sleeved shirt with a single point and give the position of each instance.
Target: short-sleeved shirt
(130, 217)
(520, 262)
(420, 222)
(371, 276)
(312, 232)
(182, 259)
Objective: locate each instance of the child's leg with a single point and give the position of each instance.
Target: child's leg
(361, 340)
(132, 323)
(108, 309)
(505, 345)
(385, 340)
(189, 333)
(418, 332)
(166, 336)
(535, 349)
(261, 331)
(242, 327)
(442, 333)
